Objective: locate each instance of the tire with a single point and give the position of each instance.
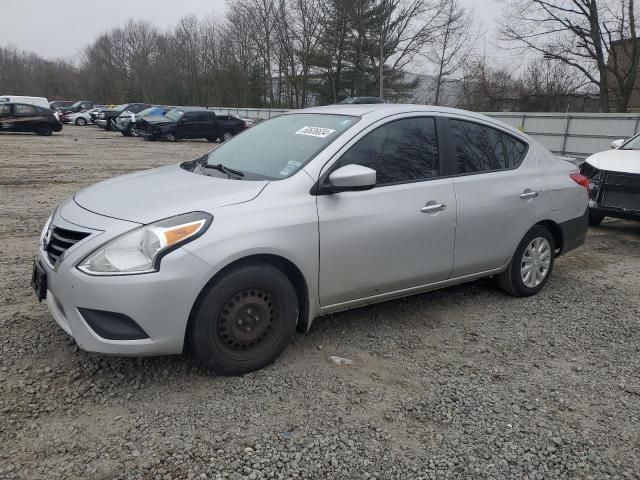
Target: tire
(513, 280)
(212, 139)
(108, 127)
(134, 132)
(81, 122)
(44, 129)
(244, 320)
(226, 136)
(149, 138)
(171, 137)
(126, 133)
(595, 218)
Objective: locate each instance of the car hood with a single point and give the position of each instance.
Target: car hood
(151, 195)
(625, 161)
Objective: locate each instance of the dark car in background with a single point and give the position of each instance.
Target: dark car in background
(107, 117)
(60, 104)
(78, 106)
(361, 101)
(127, 121)
(190, 122)
(20, 117)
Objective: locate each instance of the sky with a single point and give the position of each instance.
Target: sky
(61, 28)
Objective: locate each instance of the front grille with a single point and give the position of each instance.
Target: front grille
(621, 191)
(61, 240)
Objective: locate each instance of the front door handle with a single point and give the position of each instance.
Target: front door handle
(433, 207)
(528, 194)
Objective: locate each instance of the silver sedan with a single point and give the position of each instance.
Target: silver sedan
(306, 214)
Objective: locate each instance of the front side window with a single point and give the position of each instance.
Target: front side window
(401, 151)
(5, 111)
(480, 148)
(280, 147)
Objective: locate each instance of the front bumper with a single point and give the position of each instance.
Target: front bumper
(159, 303)
(101, 122)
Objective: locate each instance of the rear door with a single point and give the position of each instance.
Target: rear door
(498, 189)
(397, 235)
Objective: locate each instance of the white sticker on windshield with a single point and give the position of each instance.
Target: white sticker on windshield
(318, 132)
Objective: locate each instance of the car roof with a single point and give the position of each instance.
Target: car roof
(373, 112)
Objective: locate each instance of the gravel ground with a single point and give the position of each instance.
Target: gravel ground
(461, 383)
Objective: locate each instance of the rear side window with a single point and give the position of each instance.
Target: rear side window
(401, 151)
(25, 109)
(480, 148)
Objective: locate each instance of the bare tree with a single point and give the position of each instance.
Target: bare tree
(581, 34)
(453, 47)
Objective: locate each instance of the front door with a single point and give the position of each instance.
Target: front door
(397, 235)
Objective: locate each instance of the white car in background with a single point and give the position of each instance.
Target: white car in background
(80, 118)
(614, 181)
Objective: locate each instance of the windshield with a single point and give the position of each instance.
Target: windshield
(279, 147)
(633, 144)
(174, 115)
(77, 104)
(121, 107)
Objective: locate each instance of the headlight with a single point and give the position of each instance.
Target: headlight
(140, 250)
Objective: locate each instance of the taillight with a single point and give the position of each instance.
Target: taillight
(580, 180)
(244, 125)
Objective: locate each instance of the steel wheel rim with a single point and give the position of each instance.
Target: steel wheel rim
(226, 136)
(536, 262)
(246, 320)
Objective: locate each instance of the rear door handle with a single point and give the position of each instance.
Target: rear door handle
(528, 194)
(433, 207)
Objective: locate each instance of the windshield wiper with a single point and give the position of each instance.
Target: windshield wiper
(226, 170)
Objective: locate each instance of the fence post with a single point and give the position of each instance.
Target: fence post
(566, 135)
(524, 120)
(635, 129)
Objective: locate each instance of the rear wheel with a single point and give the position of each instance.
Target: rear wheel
(81, 122)
(44, 129)
(227, 135)
(595, 218)
(531, 265)
(244, 320)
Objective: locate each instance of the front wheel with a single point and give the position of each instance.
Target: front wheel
(531, 265)
(595, 218)
(170, 136)
(81, 122)
(44, 129)
(227, 136)
(149, 138)
(244, 320)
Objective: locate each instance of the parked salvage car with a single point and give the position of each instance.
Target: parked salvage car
(308, 213)
(107, 117)
(20, 117)
(78, 106)
(361, 101)
(614, 180)
(80, 118)
(127, 122)
(190, 122)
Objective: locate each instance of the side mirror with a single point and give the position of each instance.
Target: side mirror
(351, 178)
(617, 143)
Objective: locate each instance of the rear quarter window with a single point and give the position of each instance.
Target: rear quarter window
(481, 148)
